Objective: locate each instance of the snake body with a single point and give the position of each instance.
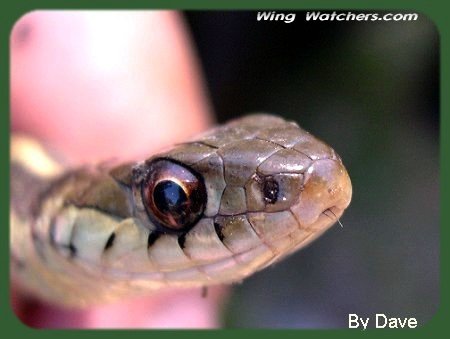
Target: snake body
(255, 190)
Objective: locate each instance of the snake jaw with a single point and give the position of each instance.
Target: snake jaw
(327, 187)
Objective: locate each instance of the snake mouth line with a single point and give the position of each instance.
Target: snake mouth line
(329, 216)
(240, 258)
(334, 213)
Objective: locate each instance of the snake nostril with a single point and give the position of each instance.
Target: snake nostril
(271, 189)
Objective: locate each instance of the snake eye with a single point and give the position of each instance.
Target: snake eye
(174, 195)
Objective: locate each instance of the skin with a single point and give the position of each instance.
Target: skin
(109, 85)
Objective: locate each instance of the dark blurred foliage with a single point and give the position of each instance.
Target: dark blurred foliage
(371, 90)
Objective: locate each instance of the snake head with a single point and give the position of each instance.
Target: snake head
(270, 188)
(213, 210)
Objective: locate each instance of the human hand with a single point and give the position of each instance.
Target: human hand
(101, 85)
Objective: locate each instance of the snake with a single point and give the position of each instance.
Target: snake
(210, 211)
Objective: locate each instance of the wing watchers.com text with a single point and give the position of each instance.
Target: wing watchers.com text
(335, 16)
(350, 16)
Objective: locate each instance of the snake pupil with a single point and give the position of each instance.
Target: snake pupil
(169, 197)
(174, 195)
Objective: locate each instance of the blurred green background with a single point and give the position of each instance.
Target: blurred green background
(371, 90)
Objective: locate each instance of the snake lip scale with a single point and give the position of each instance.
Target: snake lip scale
(214, 210)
